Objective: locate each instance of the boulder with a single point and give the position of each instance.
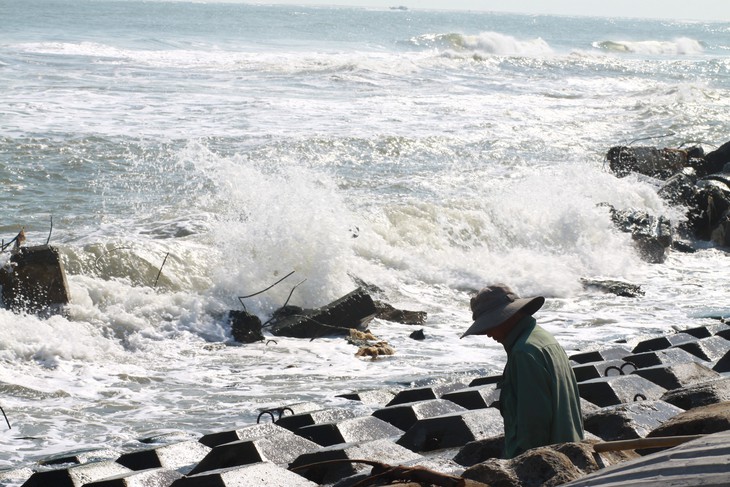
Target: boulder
(35, 280)
(245, 327)
(619, 288)
(651, 235)
(702, 420)
(649, 161)
(702, 394)
(628, 421)
(385, 311)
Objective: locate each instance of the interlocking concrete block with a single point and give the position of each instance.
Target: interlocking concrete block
(279, 448)
(153, 477)
(661, 357)
(476, 397)
(608, 391)
(453, 430)
(661, 342)
(722, 365)
(378, 397)
(483, 381)
(702, 394)
(709, 349)
(429, 392)
(338, 456)
(706, 331)
(352, 430)
(81, 456)
(250, 432)
(77, 475)
(254, 475)
(181, 456)
(296, 422)
(600, 355)
(605, 368)
(403, 416)
(628, 421)
(677, 375)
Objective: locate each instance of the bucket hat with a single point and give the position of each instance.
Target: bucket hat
(494, 305)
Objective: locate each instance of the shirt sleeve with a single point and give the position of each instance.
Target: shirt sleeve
(533, 414)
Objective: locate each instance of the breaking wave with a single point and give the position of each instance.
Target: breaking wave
(680, 46)
(485, 43)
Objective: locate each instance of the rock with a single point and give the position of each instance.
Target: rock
(697, 395)
(479, 451)
(417, 335)
(650, 161)
(245, 327)
(35, 280)
(387, 312)
(628, 421)
(619, 288)
(352, 311)
(698, 421)
(652, 235)
(717, 159)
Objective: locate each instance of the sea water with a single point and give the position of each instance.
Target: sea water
(183, 155)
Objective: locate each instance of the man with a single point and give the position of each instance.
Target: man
(539, 398)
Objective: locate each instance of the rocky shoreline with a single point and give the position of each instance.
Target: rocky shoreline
(671, 387)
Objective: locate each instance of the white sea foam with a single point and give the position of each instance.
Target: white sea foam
(682, 46)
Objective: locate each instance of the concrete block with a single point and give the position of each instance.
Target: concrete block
(153, 477)
(608, 391)
(280, 449)
(709, 349)
(77, 475)
(596, 370)
(297, 421)
(453, 430)
(483, 381)
(181, 456)
(352, 430)
(702, 394)
(403, 416)
(258, 474)
(661, 342)
(628, 421)
(250, 432)
(382, 450)
(425, 393)
(476, 397)
(677, 375)
(600, 355)
(722, 365)
(661, 357)
(706, 331)
(378, 397)
(81, 456)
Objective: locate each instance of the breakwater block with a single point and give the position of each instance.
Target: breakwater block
(661, 342)
(609, 391)
(297, 421)
(81, 456)
(425, 393)
(600, 355)
(37, 281)
(706, 331)
(677, 375)
(596, 370)
(709, 349)
(703, 394)
(353, 430)
(483, 381)
(77, 475)
(723, 365)
(703, 420)
(629, 421)
(182, 456)
(477, 397)
(250, 432)
(659, 357)
(377, 397)
(264, 473)
(144, 478)
(352, 311)
(453, 430)
(280, 449)
(403, 416)
(382, 450)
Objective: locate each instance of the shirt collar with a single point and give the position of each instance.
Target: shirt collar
(526, 324)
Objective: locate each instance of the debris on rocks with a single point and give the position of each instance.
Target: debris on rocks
(370, 345)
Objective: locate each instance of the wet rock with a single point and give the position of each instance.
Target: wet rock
(81, 456)
(245, 327)
(382, 450)
(619, 288)
(697, 395)
(649, 161)
(352, 311)
(417, 335)
(652, 235)
(403, 416)
(628, 421)
(453, 430)
(35, 280)
(706, 331)
(717, 159)
(385, 311)
(702, 420)
(251, 432)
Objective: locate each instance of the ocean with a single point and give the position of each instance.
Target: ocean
(183, 155)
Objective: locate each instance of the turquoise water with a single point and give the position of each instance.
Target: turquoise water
(426, 152)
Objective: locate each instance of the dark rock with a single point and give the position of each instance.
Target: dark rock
(717, 159)
(677, 375)
(652, 235)
(702, 420)
(245, 327)
(77, 475)
(352, 311)
(152, 477)
(618, 288)
(181, 456)
(697, 395)
(403, 416)
(264, 473)
(628, 421)
(707, 208)
(480, 451)
(544, 467)
(382, 450)
(679, 189)
(649, 161)
(417, 335)
(387, 312)
(35, 281)
(608, 391)
(352, 430)
(453, 430)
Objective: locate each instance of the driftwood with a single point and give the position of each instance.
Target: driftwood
(642, 443)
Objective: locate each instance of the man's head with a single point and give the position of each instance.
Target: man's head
(495, 309)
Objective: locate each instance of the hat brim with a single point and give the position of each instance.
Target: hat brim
(494, 318)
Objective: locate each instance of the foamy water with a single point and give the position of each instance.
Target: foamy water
(429, 154)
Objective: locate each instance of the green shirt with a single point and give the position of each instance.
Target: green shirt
(539, 400)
